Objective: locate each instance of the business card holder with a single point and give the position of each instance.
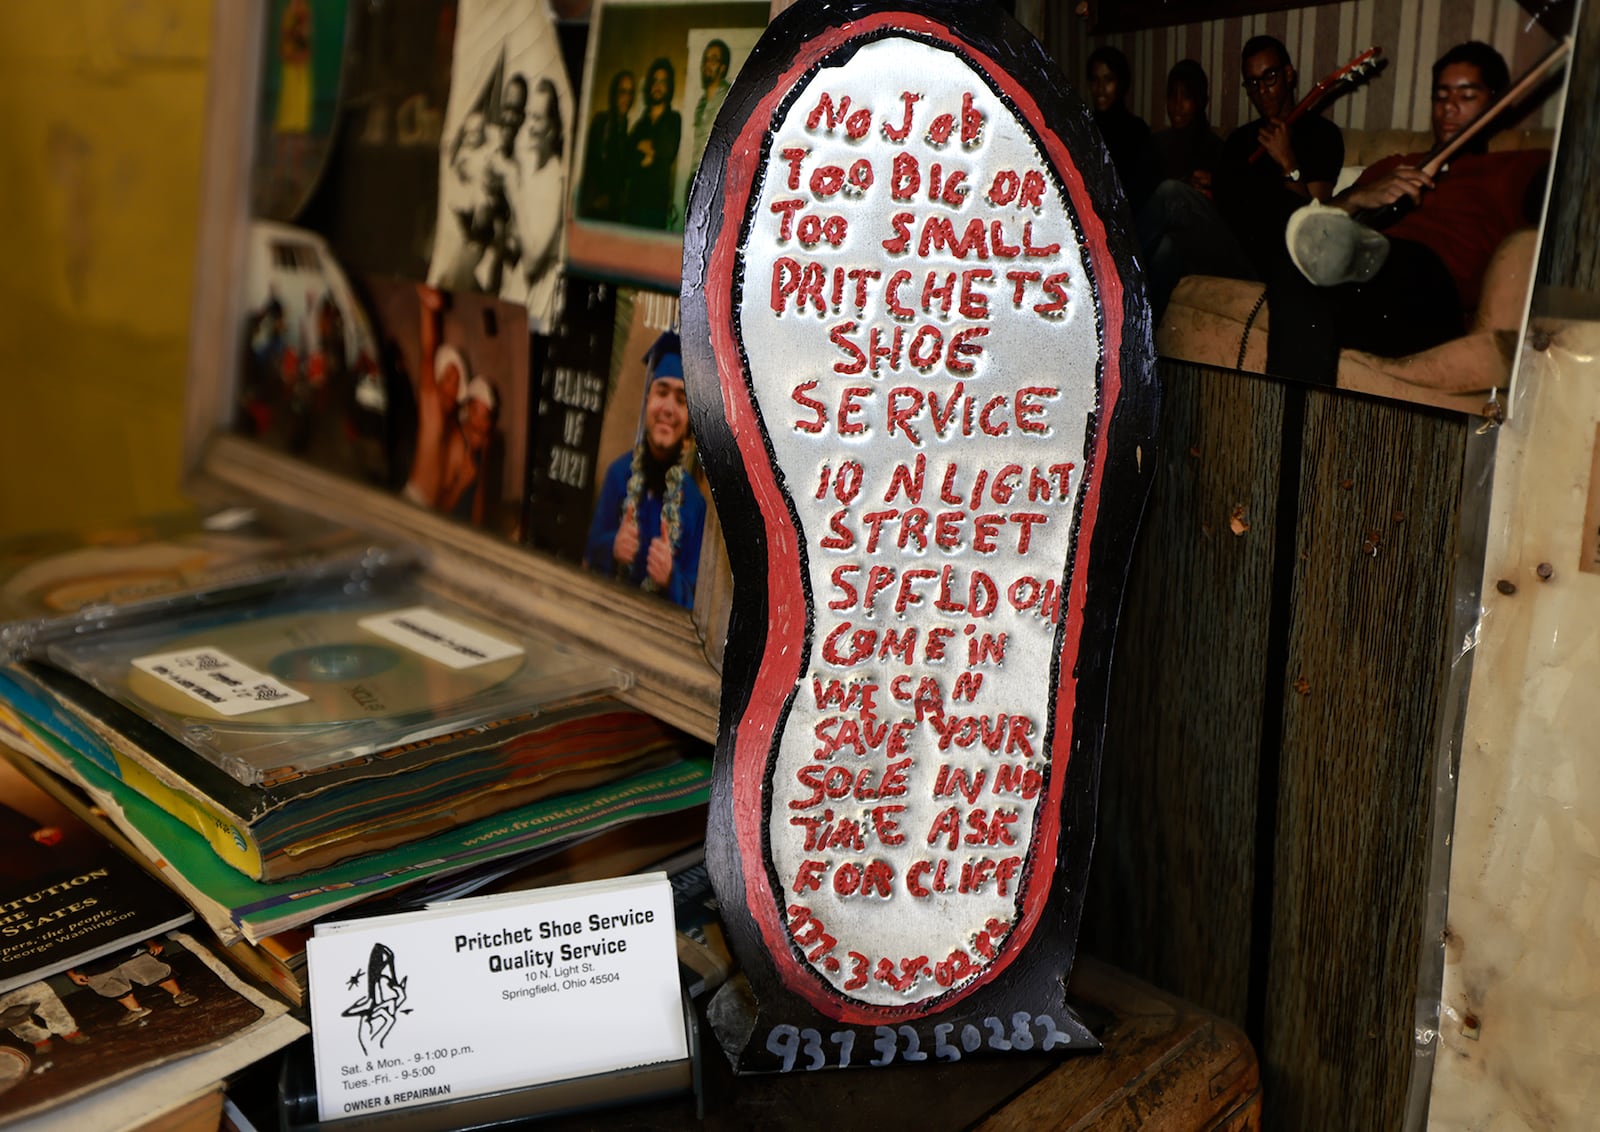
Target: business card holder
(297, 1095)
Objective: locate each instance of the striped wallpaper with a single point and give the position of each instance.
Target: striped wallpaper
(1321, 38)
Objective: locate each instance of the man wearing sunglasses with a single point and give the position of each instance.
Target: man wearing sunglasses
(1300, 162)
(1236, 231)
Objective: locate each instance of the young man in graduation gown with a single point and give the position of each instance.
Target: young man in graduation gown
(650, 515)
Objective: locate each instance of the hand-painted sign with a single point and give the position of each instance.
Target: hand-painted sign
(922, 378)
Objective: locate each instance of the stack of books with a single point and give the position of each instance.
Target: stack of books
(281, 722)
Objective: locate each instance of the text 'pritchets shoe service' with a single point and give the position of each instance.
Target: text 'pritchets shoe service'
(921, 375)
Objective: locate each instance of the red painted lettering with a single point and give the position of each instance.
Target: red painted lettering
(788, 210)
(794, 155)
(898, 134)
(809, 876)
(849, 406)
(904, 404)
(799, 397)
(840, 337)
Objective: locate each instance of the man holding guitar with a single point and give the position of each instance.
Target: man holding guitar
(1418, 284)
(1267, 168)
(1275, 164)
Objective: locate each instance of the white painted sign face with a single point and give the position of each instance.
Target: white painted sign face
(922, 348)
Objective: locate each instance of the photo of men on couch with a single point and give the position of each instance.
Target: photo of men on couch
(1427, 307)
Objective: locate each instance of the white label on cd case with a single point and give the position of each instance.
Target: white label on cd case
(430, 633)
(219, 681)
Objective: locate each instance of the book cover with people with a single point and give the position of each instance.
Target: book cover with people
(161, 999)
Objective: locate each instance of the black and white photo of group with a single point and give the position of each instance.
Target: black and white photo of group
(503, 158)
(397, 335)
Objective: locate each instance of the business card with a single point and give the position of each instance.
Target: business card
(480, 995)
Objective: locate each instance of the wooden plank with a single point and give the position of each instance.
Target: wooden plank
(1170, 892)
(1368, 651)
(1166, 1066)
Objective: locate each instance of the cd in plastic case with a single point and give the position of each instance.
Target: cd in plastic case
(55, 585)
(309, 679)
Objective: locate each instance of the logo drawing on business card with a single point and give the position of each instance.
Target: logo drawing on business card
(377, 1011)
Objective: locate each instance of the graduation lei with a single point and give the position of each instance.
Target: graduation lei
(671, 506)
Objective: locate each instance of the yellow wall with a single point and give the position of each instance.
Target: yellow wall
(100, 138)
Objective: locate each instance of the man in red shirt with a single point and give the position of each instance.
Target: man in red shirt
(1418, 283)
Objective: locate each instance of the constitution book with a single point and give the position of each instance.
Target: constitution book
(66, 895)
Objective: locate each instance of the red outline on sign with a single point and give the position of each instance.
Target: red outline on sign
(780, 661)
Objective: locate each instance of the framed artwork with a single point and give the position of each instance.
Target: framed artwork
(1381, 240)
(655, 78)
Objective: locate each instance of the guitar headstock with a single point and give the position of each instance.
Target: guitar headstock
(1347, 77)
(1355, 72)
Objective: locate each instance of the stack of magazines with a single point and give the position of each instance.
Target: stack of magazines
(281, 719)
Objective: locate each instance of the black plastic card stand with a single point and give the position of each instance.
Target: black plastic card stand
(297, 1095)
(922, 380)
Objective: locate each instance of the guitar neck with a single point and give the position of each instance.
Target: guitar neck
(1293, 116)
(1306, 104)
(1441, 154)
(1348, 75)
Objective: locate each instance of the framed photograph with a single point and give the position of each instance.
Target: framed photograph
(503, 158)
(655, 77)
(1424, 133)
(458, 412)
